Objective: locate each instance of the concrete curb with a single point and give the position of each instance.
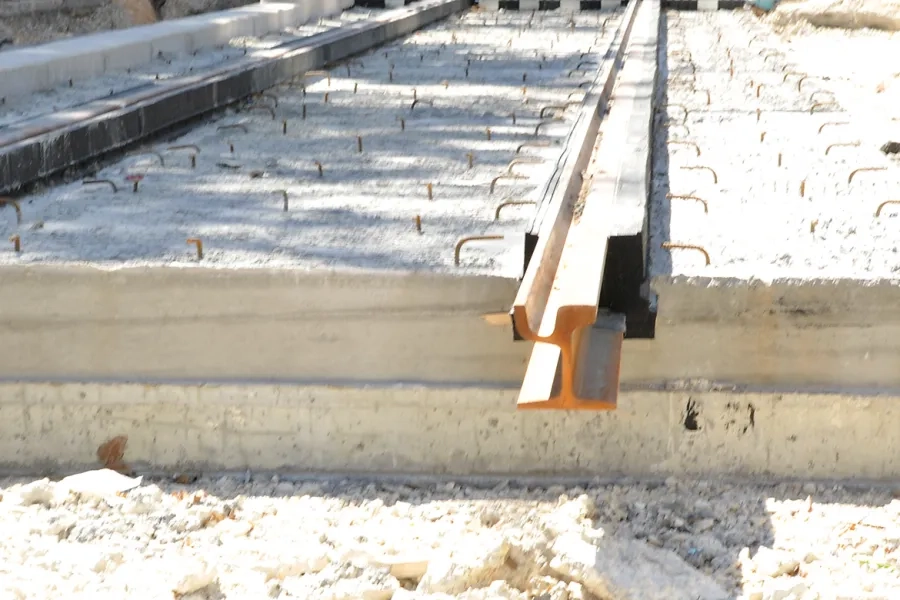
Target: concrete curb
(45, 66)
(46, 146)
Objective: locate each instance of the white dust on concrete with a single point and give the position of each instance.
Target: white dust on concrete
(480, 98)
(103, 535)
(786, 122)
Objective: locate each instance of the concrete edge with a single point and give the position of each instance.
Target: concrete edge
(46, 66)
(410, 431)
(806, 302)
(198, 325)
(34, 159)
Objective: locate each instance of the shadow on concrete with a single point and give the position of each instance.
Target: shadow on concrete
(360, 211)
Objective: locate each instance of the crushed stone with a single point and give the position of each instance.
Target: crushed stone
(264, 537)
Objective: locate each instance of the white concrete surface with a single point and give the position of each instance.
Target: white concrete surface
(360, 213)
(450, 430)
(45, 66)
(760, 225)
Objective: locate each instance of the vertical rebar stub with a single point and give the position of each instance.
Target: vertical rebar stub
(199, 244)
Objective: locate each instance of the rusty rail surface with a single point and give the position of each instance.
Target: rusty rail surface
(576, 357)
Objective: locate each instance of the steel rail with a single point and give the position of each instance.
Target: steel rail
(575, 361)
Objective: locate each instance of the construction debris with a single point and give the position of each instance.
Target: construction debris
(267, 537)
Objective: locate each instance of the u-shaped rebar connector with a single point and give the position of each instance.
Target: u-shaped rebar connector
(864, 170)
(675, 245)
(506, 203)
(471, 238)
(883, 204)
(704, 168)
(534, 144)
(504, 176)
(689, 197)
(841, 145)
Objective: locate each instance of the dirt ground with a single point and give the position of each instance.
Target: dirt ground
(118, 14)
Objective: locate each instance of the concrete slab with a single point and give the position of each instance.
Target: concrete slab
(455, 431)
(447, 163)
(42, 67)
(346, 234)
(752, 165)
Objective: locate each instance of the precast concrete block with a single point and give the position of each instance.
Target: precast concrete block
(174, 37)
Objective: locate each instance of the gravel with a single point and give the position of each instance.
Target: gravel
(780, 203)
(472, 114)
(101, 535)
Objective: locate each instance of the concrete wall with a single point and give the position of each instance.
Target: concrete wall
(45, 66)
(456, 431)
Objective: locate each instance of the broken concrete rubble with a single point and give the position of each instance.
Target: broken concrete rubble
(630, 570)
(471, 562)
